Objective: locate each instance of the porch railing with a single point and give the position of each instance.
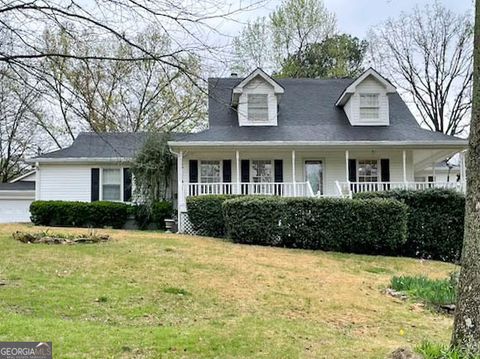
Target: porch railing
(285, 189)
(347, 188)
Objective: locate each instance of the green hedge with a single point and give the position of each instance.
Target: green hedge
(435, 222)
(357, 226)
(206, 215)
(79, 214)
(160, 211)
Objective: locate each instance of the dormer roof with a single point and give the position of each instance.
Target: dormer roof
(350, 90)
(238, 89)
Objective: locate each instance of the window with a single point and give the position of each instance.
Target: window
(111, 184)
(209, 171)
(258, 107)
(261, 171)
(367, 171)
(369, 106)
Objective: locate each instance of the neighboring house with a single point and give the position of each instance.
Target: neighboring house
(443, 171)
(16, 197)
(288, 137)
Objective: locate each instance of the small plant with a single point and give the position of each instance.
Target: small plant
(436, 292)
(436, 351)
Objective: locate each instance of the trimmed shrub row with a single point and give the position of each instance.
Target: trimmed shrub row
(94, 214)
(435, 222)
(356, 226)
(206, 214)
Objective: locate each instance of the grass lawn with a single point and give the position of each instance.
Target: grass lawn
(150, 295)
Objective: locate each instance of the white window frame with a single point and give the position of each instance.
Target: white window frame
(379, 170)
(266, 119)
(220, 179)
(272, 174)
(369, 106)
(121, 183)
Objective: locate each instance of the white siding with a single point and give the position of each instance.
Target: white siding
(257, 86)
(64, 182)
(352, 107)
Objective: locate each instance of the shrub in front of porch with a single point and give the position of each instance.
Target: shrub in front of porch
(357, 226)
(435, 221)
(206, 215)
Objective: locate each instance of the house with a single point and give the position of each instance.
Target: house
(287, 137)
(16, 197)
(443, 171)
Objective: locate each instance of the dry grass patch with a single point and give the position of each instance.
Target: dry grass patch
(181, 296)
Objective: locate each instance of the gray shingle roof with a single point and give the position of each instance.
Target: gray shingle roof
(18, 186)
(307, 112)
(101, 145)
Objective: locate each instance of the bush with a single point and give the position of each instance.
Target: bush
(206, 215)
(144, 216)
(435, 351)
(435, 222)
(79, 214)
(435, 292)
(357, 226)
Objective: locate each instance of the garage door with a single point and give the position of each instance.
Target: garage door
(14, 210)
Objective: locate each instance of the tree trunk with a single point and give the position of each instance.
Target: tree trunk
(466, 331)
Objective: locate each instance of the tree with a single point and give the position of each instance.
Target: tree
(466, 331)
(253, 48)
(108, 95)
(288, 31)
(18, 107)
(151, 169)
(335, 57)
(297, 23)
(428, 53)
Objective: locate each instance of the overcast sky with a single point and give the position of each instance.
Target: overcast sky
(357, 16)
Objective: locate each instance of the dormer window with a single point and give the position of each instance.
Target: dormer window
(369, 106)
(256, 99)
(257, 107)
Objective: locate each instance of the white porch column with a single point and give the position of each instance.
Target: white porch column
(293, 174)
(237, 167)
(433, 171)
(404, 166)
(180, 194)
(347, 155)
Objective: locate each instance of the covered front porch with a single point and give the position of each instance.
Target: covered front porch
(306, 171)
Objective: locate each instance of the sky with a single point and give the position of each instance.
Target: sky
(357, 16)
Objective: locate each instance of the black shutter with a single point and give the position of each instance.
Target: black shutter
(278, 171)
(227, 171)
(385, 169)
(278, 176)
(193, 171)
(95, 184)
(245, 171)
(127, 185)
(245, 175)
(352, 170)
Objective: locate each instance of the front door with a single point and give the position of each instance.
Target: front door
(314, 175)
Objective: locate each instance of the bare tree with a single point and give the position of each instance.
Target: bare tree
(18, 106)
(108, 95)
(428, 53)
(466, 331)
